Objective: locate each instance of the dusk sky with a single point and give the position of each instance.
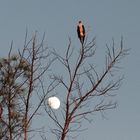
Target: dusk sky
(105, 19)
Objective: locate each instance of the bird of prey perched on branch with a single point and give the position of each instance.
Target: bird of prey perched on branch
(81, 32)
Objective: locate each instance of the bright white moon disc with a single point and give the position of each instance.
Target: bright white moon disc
(54, 102)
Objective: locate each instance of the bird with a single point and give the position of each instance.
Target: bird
(81, 32)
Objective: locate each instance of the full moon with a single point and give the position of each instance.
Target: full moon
(54, 102)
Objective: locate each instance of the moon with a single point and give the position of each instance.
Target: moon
(54, 102)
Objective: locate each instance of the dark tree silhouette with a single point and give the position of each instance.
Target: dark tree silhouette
(86, 91)
(20, 82)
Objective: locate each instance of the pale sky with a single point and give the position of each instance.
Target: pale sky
(106, 19)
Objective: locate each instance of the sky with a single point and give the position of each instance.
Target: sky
(106, 19)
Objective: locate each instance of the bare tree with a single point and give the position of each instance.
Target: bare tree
(21, 78)
(85, 90)
(24, 90)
